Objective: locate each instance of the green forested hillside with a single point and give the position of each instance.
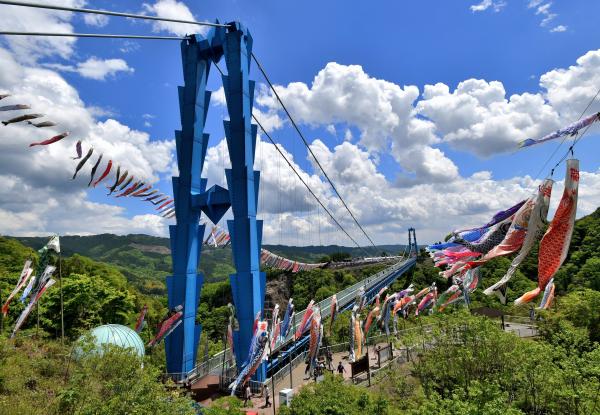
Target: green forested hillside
(476, 368)
(145, 260)
(123, 273)
(94, 292)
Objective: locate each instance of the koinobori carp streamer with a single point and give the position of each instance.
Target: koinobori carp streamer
(104, 174)
(22, 118)
(260, 341)
(535, 226)
(82, 162)
(554, 246)
(93, 173)
(570, 130)
(50, 140)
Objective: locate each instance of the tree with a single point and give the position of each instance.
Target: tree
(88, 302)
(334, 397)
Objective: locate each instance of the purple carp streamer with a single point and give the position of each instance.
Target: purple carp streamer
(491, 239)
(497, 218)
(535, 227)
(557, 239)
(258, 354)
(570, 130)
(514, 238)
(78, 150)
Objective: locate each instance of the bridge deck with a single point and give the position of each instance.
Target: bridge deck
(345, 298)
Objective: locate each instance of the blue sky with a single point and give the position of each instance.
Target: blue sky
(398, 46)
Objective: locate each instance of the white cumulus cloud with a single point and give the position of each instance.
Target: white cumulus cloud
(37, 195)
(173, 9)
(96, 20)
(486, 4)
(28, 19)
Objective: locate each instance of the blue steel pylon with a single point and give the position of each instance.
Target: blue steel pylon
(192, 197)
(248, 283)
(412, 242)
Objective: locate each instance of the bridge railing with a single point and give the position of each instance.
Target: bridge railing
(344, 297)
(344, 346)
(285, 370)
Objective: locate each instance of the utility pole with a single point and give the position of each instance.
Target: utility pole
(62, 306)
(292, 348)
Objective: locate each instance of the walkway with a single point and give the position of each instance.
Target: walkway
(519, 326)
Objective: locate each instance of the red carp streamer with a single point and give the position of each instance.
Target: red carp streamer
(140, 321)
(104, 174)
(50, 140)
(555, 243)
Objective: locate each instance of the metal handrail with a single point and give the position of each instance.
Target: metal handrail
(344, 297)
(285, 370)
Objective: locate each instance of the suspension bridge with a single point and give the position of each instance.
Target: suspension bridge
(288, 348)
(231, 42)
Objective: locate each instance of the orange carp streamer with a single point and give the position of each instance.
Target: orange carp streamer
(555, 243)
(358, 336)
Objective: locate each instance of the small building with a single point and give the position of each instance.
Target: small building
(117, 335)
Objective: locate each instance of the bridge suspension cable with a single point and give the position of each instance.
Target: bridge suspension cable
(108, 13)
(565, 139)
(289, 163)
(306, 184)
(262, 70)
(92, 35)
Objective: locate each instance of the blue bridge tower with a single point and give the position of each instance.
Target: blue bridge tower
(192, 198)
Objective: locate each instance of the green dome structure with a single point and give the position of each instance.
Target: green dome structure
(118, 335)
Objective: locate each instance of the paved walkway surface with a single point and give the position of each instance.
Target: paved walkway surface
(299, 378)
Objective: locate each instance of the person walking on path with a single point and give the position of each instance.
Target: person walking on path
(341, 369)
(267, 394)
(329, 357)
(247, 395)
